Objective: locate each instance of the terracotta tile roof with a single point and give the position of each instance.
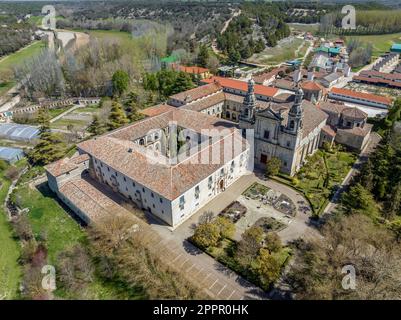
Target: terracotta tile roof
(243, 86)
(205, 103)
(360, 95)
(234, 97)
(197, 93)
(355, 113)
(328, 130)
(332, 107)
(118, 151)
(260, 78)
(313, 117)
(358, 131)
(65, 165)
(189, 69)
(311, 85)
(185, 118)
(91, 201)
(284, 84)
(152, 169)
(284, 97)
(156, 110)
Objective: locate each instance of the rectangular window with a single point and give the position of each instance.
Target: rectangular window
(197, 192)
(266, 134)
(182, 203)
(210, 182)
(161, 200)
(288, 143)
(133, 184)
(152, 195)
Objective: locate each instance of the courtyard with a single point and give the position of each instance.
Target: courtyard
(260, 206)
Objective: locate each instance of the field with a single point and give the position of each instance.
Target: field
(381, 43)
(284, 51)
(9, 62)
(303, 27)
(10, 272)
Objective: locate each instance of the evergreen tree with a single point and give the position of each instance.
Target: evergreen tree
(120, 82)
(203, 56)
(96, 127)
(50, 146)
(117, 117)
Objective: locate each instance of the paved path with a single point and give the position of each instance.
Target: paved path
(363, 157)
(299, 226)
(199, 268)
(66, 112)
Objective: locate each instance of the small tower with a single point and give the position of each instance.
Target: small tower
(295, 115)
(249, 105)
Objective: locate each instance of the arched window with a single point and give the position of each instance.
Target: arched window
(142, 142)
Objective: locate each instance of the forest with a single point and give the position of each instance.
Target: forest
(258, 26)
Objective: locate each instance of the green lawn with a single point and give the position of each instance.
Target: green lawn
(63, 123)
(304, 27)
(51, 221)
(10, 271)
(56, 112)
(319, 178)
(381, 43)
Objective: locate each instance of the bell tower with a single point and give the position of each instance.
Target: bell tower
(249, 105)
(295, 115)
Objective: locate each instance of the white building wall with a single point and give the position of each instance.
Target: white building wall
(357, 101)
(192, 204)
(142, 196)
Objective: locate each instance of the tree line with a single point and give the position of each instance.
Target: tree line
(15, 36)
(363, 235)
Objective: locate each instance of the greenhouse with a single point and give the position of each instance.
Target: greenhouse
(12, 131)
(11, 155)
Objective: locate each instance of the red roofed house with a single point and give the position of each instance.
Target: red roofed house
(314, 92)
(203, 73)
(366, 99)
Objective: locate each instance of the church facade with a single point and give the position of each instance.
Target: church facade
(287, 131)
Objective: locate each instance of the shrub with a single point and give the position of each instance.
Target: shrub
(206, 235)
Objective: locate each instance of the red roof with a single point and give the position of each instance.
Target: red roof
(312, 86)
(361, 95)
(156, 110)
(193, 69)
(243, 86)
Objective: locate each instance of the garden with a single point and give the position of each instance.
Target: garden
(258, 255)
(321, 176)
